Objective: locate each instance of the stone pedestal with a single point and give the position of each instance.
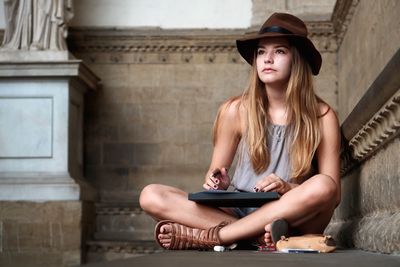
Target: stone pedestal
(46, 207)
(41, 133)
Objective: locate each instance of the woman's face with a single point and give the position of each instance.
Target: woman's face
(274, 61)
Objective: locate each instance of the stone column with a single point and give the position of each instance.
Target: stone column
(45, 204)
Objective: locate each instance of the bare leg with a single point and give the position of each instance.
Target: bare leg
(169, 203)
(312, 203)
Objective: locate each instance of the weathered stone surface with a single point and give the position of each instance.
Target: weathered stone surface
(42, 234)
(366, 49)
(125, 226)
(32, 259)
(318, 10)
(326, 81)
(157, 113)
(368, 216)
(377, 232)
(113, 250)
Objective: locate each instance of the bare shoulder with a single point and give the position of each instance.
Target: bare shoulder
(232, 113)
(232, 107)
(328, 117)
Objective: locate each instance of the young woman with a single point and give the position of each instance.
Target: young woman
(288, 141)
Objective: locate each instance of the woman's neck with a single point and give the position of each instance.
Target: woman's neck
(277, 111)
(276, 96)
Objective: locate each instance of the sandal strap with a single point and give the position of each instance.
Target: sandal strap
(182, 237)
(210, 238)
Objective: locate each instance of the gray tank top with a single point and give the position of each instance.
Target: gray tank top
(245, 178)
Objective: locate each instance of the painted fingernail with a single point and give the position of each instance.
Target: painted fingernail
(255, 189)
(215, 187)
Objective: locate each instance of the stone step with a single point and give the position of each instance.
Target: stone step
(123, 222)
(112, 250)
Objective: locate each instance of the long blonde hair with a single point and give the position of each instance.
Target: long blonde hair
(302, 111)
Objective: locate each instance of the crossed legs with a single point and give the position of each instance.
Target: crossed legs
(307, 207)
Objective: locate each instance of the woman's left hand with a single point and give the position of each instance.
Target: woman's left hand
(273, 183)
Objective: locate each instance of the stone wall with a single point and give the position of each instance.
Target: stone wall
(368, 217)
(43, 234)
(369, 107)
(152, 120)
(370, 41)
(308, 10)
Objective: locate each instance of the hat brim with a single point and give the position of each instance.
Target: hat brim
(247, 45)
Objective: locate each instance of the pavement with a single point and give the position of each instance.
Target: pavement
(248, 258)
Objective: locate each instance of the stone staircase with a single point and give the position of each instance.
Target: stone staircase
(123, 230)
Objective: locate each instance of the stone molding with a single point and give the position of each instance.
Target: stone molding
(152, 40)
(342, 16)
(375, 120)
(380, 129)
(154, 46)
(118, 209)
(69, 68)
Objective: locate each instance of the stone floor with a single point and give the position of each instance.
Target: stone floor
(340, 258)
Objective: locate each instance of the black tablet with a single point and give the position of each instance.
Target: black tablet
(219, 198)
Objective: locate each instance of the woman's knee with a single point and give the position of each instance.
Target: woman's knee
(322, 190)
(151, 198)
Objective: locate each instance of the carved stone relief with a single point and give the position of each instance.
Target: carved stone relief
(134, 48)
(380, 129)
(341, 17)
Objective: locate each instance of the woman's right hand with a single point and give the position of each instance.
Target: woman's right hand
(217, 180)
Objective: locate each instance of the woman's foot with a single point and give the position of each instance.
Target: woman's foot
(275, 230)
(267, 235)
(170, 235)
(165, 235)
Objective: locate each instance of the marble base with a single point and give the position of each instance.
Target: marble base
(41, 114)
(26, 56)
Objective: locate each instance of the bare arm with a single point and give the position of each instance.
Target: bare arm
(229, 131)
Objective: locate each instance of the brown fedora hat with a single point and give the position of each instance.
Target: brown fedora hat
(282, 25)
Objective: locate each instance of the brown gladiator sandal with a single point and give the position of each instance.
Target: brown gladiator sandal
(182, 236)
